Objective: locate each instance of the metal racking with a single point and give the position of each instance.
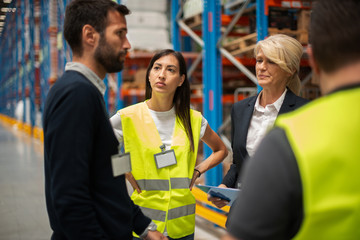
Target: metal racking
(214, 54)
(34, 54)
(211, 57)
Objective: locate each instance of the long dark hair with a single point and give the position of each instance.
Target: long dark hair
(182, 94)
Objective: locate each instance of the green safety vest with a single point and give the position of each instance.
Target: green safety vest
(165, 197)
(325, 138)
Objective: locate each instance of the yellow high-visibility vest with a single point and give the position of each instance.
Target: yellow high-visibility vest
(165, 196)
(325, 138)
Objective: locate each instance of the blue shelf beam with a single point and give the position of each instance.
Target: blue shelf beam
(175, 30)
(212, 78)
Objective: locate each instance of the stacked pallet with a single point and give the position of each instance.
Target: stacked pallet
(294, 23)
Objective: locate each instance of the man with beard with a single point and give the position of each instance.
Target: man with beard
(86, 195)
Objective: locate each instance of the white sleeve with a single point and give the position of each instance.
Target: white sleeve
(117, 127)
(204, 124)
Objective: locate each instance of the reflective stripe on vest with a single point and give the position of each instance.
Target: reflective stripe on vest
(324, 136)
(166, 189)
(163, 185)
(154, 214)
(181, 211)
(159, 215)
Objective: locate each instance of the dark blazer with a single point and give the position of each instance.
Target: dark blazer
(241, 114)
(84, 200)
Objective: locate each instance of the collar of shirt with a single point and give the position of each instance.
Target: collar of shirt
(277, 104)
(262, 120)
(88, 73)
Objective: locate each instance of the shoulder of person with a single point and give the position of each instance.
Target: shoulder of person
(243, 104)
(301, 100)
(195, 112)
(298, 99)
(75, 87)
(132, 108)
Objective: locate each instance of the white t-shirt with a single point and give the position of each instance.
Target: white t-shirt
(262, 120)
(164, 121)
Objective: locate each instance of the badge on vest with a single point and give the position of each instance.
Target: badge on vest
(121, 164)
(165, 158)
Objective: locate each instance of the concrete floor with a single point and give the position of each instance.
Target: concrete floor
(22, 202)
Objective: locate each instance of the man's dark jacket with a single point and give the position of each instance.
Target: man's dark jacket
(84, 200)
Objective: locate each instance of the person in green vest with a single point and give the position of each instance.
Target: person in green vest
(161, 138)
(303, 180)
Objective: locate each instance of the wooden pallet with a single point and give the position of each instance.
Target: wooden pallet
(241, 45)
(194, 21)
(301, 35)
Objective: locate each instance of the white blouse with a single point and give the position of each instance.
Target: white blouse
(262, 120)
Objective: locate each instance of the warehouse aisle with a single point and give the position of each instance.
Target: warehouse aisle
(22, 203)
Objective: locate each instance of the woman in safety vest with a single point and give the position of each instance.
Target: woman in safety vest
(161, 137)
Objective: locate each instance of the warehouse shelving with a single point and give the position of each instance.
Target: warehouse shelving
(214, 57)
(212, 63)
(34, 54)
(36, 62)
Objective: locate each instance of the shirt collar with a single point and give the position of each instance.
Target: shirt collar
(88, 73)
(277, 104)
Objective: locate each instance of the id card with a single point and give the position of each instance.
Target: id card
(121, 164)
(165, 158)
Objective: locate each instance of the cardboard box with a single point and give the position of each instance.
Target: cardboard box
(303, 19)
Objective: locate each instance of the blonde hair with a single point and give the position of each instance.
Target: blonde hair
(286, 52)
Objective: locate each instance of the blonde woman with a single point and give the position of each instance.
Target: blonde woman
(277, 66)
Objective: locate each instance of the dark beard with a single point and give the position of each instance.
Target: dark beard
(108, 58)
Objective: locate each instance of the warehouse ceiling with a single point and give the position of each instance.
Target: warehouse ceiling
(3, 10)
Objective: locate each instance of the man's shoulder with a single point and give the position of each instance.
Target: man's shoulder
(72, 88)
(72, 78)
(73, 82)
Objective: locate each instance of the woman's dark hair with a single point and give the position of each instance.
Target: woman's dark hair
(93, 12)
(182, 94)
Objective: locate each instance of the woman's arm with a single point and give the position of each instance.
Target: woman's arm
(115, 121)
(219, 153)
(117, 127)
